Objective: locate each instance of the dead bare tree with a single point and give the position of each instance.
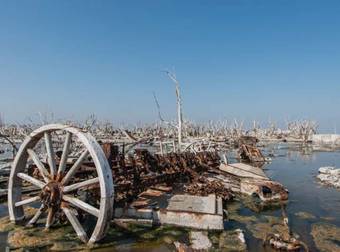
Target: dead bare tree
(179, 106)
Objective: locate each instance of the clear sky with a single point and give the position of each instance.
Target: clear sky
(245, 59)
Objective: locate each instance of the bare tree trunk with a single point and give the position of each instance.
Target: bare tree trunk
(179, 107)
(179, 114)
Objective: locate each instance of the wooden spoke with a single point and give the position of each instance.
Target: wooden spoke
(43, 171)
(75, 224)
(36, 216)
(82, 205)
(75, 167)
(66, 150)
(30, 179)
(80, 185)
(50, 153)
(58, 180)
(27, 201)
(50, 217)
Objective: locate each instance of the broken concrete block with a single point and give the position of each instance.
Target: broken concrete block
(200, 240)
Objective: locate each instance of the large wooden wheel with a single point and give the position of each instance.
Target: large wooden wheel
(58, 184)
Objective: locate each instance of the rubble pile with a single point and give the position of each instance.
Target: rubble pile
(330, 176)
(209, 187)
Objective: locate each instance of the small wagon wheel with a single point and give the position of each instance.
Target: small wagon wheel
(57, 181)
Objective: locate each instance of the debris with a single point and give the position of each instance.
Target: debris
(193, 211)
(247, 140)
(279, 243)
(330, 176)
(181, 247)
(166, 189)
(276, 235)
(244, 171)
(199, 240)
(250, 153)
(250, 180)
(140, 202)
(143, 171)
(209, 187)
(152, 193)
(79, 185)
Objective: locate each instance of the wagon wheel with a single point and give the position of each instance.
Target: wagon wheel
(58, 184)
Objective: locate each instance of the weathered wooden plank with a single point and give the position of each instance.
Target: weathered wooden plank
(82, 205)
(75, 224)
(30, 179)
(50, 217)
(75, 167)
(42, 169)
(244, 170)
(27, 201)
(36, 216)
(80, 185)
(66, 150)
(50, 153)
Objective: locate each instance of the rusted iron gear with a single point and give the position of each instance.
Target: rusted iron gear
(51, 195)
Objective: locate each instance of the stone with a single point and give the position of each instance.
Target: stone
(232, 241)
(199, 212)
(200, 240)
(181, 247)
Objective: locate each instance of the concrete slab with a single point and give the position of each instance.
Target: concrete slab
(182, 210)
(196, 204)
(193, 211)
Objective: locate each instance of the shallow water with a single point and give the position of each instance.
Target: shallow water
(296, 168)
(293, 166)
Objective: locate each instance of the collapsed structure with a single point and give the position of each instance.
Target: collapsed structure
(102, 181)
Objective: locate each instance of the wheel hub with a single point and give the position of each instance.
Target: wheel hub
(51, 195)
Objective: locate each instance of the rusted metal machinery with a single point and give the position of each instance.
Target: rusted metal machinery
(250, 153)
(77, 179)
(72, 186)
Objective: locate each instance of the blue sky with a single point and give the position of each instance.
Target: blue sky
(234, 59)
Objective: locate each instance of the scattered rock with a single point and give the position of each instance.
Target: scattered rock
(232, 241)
(305, 215)
(181, 247)
(329, 176)
(326, 237)
(199, 240)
